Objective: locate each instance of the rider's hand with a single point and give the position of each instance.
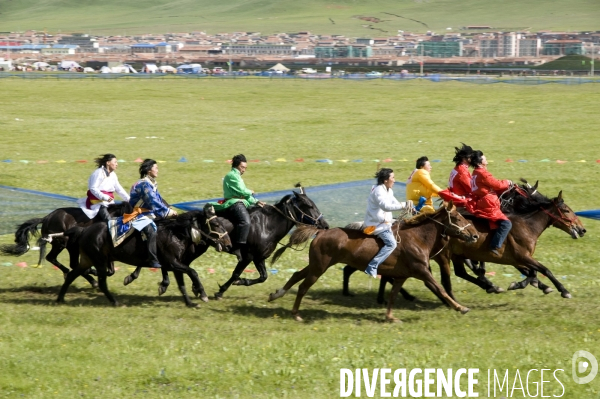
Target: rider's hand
(261, 204)
(110, 199)
(410, 204)
(171, 214)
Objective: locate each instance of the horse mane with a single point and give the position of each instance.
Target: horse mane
(180, 226)
(527, 204)
(421, 217)
(299, 236)
(355, 226)
(121, 208)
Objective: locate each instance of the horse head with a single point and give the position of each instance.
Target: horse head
(564, 218)
(213, 230)
(456, 225)
(305, 211)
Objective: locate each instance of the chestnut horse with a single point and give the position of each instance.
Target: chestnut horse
(418, 239)
(531, 214)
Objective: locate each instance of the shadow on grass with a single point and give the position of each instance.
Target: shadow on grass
(84, 296)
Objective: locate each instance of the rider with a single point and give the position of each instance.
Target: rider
(459, 182)
(378, 219)
(237, 200)
(485, 190)
(420, 188)
(148, 205)
(102, 185)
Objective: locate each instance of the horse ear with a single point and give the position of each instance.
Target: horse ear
(450, 205)
(299, 185)
(209, 210)
(535, 186)
(559, 198)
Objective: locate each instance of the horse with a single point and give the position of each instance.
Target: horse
(531, 213)
(54, 225)
(179, 240)
(418, 240)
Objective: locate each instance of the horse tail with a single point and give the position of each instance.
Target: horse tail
(299, 236)
(41, 242)
(21, 238)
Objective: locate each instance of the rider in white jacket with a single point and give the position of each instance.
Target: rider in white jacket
(378, 219)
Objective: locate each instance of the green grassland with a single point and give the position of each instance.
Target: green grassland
(268, 16)
(243, 346)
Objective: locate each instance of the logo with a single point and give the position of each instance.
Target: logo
(580, 367)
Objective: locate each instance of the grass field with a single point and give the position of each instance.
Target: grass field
(268, 16)
(243, 346)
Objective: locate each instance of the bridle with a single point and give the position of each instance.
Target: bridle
(211, 233)
(304, 219)
(458, 228)
(570, 223)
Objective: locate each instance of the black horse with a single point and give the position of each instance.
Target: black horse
(54, 225)
(268, 225)
(179, 241)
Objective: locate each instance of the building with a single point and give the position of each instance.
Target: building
(440, 49)
(563, 47)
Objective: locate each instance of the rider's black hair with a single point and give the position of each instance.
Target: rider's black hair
(464, 152)
(475, 158)
(421, 162)
(103, 159)
(237, 160)
(146, 166)
(383, 174)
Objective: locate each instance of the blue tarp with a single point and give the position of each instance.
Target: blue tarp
(592, 214)
(189, 69)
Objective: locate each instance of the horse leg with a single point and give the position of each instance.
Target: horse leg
(444, 264)
(74, 263)
(538, 267)
(538, 284)
(197, 287)
(348, 271)
(69, 278)
(398, 281)
(164, 283)
(422, 273)
(101, 268)
(524, 283)
(296, 277)
(52, 257)
(129, 279)
(481, 282)
(234, 277)
(181, 286)
(302, 289)
(262, 271)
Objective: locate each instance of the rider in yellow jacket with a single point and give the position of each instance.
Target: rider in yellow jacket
(420, 185)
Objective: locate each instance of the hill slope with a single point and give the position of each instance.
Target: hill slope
(269, 16)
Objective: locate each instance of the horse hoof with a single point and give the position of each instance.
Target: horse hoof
(298, 318)
(495, 290)
(218, 296)
(238, 282)
(204, 298)
(464, 310)
(566, 295)
(499, 290)
(549, 290)
(127, 280)
(161, 289)
(95, 285)
(512, 286)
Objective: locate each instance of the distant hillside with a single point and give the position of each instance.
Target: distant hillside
(355, 18)
(569, 63)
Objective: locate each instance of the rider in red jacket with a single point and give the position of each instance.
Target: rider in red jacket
(460, 179)
(485, 190)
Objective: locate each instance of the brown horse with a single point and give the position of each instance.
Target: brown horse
(418, 240)
(531, 214)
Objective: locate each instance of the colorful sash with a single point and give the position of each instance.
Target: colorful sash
(92, 200)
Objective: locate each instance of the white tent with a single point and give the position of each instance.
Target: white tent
(88, 69)
(167, 68)
(41, 64)
(105, 69)
(279, 68)
(150, 68)
(69, 64)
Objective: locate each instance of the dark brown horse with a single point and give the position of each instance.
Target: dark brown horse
(54, 225)
(418, 240)
(531, 214)
(179, 241)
